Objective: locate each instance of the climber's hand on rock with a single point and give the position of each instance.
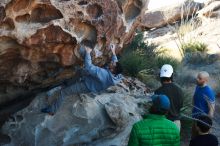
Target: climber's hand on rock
(112, 47)
(88, 50)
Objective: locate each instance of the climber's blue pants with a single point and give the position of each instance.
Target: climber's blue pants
(76, 88)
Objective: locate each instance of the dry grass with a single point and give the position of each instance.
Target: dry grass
(184, 28)
(194, 46)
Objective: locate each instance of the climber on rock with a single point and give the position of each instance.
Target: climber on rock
(93, 78)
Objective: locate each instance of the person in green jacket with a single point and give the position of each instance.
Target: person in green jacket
(155, 129)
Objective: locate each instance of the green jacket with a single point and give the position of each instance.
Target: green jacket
(155, 130)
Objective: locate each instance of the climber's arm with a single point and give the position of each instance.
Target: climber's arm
(91, 68)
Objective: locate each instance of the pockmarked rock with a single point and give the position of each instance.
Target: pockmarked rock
(40, 39)
(87, 119)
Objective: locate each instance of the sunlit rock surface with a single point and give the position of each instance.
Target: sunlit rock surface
(169, 14)
(211, 10)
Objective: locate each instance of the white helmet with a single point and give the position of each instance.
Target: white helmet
(166, 71)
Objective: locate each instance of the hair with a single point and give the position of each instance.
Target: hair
(118, 68)
(156, 107)
(204, 123)
(156, 111)
(204, 74)
(166, 79)
(88, 43)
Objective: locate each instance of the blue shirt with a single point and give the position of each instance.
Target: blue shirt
(201, 98)
(99, 78)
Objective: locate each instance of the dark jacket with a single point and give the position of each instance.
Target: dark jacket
(175, 95)
(204, 140)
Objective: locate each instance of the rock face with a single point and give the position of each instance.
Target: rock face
(92, 120)
(168, 15)
(201, 29)
(39, 38)
(211, 10)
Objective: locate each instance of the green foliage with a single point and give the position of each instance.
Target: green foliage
(187, 101)
(142, 60)
(200, 58)
(138, 56)
(194, 47)
(161, 60)
(133, 63)
(196, 53)
(147, 77)
(186, 110)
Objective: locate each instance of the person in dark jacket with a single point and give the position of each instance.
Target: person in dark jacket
(173, 92)
(94, 78)
(203, 126)
(155, 129)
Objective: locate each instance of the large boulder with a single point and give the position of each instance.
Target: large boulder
(40, 39)
(211, 10)
(103, 119)
(168, 15)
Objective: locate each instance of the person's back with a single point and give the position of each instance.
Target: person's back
(203, 125)
(155, 129)
(173, 92)
(204, 140)
(175, 95)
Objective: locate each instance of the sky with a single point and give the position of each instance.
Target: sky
(160, 3)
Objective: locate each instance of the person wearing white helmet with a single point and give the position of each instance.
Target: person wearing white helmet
(173, 92)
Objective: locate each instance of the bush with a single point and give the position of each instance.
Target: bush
(194, 47)
(149, 78)
(133, 63)
(199, 58)
(161, 60)
(138, 56)
(185, 78)
(186, 111)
